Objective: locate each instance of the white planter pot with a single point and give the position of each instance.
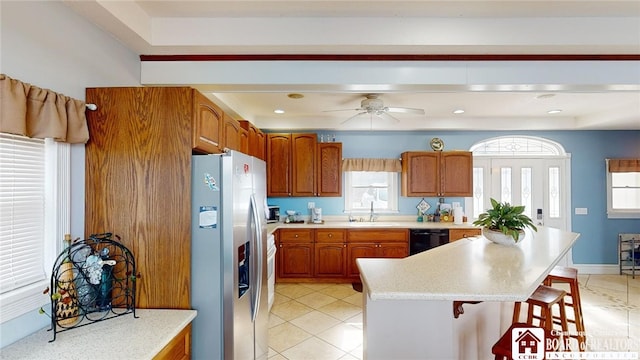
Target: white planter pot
(500, 238)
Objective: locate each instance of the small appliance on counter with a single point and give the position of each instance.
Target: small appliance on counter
(273, 214)
(316, 215)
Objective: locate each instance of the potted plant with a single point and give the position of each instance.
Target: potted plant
(504, 223)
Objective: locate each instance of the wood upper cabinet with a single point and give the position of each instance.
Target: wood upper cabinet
(278, 165)
(231, 133)
(207, 125)
(304, 168)
(295, 253)
(437, 173)
(303, 158)
(330, 253)
(255, 140)
(137, 183)
(329, 169)
(456, 173)
(244, 141)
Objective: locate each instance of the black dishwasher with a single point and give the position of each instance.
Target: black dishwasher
(424, 239)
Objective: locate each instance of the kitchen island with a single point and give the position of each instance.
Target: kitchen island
(412, 306)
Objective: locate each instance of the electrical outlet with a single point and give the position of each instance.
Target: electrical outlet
(582, 211)
(311, 205)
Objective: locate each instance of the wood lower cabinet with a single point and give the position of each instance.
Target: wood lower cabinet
(330, 253)
(179, 348)
(365, 243)
(457, 234)
(295, 255)
(437, 173)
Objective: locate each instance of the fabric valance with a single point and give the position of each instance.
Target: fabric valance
(360, 164)
(624, 165)
(40, 113)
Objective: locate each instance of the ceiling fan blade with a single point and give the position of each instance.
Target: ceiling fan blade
(353, 117)
(405, 110)
(341, 110)
(386, 114)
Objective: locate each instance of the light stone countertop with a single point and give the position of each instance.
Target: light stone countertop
(340, 222)
(123, 337)
(471, 269)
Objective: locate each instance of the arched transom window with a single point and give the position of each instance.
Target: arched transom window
(517, 146)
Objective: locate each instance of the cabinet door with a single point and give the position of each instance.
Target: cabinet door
(261, 147)
(329, 169)
(231, 133)
(295, 260)
(359, 250)
(456, 169)
(331, 260)
(303, 164)
(207, 125)
(393, 250)
(420, 173)
(244, 141)
(457, 234)
(278, 168)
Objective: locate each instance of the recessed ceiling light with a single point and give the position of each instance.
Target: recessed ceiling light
(458, 111)
(295, 96)
(554, 111)
(278, 111)
(545, 96)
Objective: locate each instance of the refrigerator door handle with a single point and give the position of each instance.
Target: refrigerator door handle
(256, 237)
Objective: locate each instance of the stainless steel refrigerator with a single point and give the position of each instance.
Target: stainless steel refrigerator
(228, 257)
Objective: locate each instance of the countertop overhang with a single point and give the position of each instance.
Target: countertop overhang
(471, 269)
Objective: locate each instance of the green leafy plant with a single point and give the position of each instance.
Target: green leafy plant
(505, 218)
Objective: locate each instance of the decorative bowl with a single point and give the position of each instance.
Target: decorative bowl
(499, 238)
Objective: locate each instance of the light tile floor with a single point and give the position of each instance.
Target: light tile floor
(324, 321)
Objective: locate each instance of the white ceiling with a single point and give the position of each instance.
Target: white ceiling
(396, 27)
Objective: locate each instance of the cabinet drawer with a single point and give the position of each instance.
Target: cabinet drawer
(457, 234)
(330, 235)
(295, 235)
(377, 235)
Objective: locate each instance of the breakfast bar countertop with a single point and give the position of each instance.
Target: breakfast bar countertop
(471, 269)
(120, 337)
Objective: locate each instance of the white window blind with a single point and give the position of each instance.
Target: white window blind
(22, 208)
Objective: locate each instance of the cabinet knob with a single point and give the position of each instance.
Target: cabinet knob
(330, 235)
(464, 235)
(296, 235)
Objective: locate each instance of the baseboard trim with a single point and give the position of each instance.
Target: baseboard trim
(605, 269)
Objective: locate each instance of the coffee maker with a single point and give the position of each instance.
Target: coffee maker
(316, 215)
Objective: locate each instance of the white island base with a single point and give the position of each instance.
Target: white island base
(414, 329)
(409, 303)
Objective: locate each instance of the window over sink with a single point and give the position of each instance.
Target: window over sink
(362, 188)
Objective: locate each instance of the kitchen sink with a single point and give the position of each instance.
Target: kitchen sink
(373, 224)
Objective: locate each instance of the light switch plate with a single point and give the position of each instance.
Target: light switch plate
(311, 205)
(582, 211)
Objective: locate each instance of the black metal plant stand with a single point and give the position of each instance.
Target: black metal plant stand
(92, 280)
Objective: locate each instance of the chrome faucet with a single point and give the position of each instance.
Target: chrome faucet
(372, 216)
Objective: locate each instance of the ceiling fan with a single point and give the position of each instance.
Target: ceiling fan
(373, 105)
